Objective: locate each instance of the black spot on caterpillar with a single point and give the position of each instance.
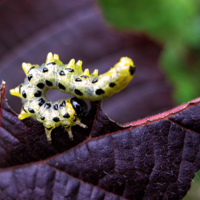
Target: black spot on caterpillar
(38, 93)
(31, 110)
(68, 78)
(47, 105)
(99, 91)
(55, 107)
(24, 94)
(61, 87)
(41, 101)
(62, 73)
(49, 83)
(40, 85)
(63, 104)
(78, 80)
(78, 92)
(56, 119)
(112, 85)
(45, 70)
(66, 115)
(95, 80)
(42, 118)
(30, 77)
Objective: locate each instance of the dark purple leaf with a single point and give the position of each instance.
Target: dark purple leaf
(41, 181)
(155, 158)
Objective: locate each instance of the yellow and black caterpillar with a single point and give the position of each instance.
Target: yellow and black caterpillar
(68, 78)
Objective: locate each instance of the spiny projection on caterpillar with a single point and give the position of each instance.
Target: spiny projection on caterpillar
(71, 79)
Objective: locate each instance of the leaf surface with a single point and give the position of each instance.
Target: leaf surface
(155, 158)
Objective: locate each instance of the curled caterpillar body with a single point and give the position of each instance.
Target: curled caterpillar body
(70, 79)
(66, 112)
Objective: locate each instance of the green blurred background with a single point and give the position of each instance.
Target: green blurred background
(176, 26)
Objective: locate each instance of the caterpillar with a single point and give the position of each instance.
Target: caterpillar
(68, 78)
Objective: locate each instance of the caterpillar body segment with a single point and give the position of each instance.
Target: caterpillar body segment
(71, 79)
(66, 112)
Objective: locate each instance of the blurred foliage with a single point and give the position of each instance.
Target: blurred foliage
(194, 192)
(176, 25)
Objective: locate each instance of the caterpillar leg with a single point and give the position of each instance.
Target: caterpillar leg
(48, 134)
(81, 124)
(69, 130)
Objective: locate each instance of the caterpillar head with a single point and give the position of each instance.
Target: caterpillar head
(79, 106)
(126, 66)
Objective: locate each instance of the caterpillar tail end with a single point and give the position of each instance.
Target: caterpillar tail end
(15, 92)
